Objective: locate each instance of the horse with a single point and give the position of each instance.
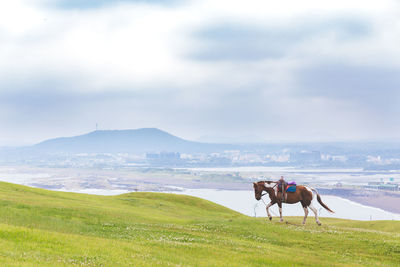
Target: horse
(303, 194)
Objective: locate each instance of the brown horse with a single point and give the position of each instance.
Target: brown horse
(303, 194)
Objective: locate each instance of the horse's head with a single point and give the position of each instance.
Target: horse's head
(258, 188)
(261, 186)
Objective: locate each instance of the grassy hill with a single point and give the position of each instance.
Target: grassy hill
(57, 229)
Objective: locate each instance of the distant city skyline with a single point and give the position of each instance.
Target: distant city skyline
(279, 71)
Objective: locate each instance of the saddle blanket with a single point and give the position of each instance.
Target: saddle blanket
(291, 188)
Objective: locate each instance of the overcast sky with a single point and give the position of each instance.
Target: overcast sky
(281, 70)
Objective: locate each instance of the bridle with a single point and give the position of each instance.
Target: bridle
(267, 192)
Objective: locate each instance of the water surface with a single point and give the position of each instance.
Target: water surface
(244, 202)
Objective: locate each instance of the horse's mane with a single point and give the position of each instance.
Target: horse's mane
(269, 182)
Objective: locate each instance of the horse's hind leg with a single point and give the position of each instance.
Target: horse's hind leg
(305, 214)
(315, 212)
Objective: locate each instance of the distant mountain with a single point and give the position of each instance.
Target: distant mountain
(132, 141)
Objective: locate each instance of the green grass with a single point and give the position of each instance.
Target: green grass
(40, 227)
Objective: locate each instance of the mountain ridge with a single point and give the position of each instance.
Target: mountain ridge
(130, 140)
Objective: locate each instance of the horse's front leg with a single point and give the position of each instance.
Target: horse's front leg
(267, 208)
(280, 211)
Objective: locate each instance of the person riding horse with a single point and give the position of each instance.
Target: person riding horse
(282, 184)
(303, 194)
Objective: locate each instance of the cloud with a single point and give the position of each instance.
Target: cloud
(371, 91)
(89, 4)
(348, 81)
(244, 42)
(46, 112)
(284, 70)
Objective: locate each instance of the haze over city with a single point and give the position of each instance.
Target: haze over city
(275, 70)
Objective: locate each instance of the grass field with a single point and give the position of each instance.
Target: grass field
(40, 227)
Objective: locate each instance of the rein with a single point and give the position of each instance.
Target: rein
(263, 201)
(267, 192)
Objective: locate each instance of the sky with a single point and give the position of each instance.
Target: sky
(284, 70)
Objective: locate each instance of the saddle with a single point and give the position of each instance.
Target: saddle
(290, 187)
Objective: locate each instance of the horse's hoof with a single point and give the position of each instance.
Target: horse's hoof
(270, 218)
(319, 224)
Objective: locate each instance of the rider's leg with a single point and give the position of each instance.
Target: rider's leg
(283, 187)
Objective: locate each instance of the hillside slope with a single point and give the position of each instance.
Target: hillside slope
(57, 229)
(137, 141)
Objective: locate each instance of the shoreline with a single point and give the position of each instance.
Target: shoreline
(385, 200)
(385, 203)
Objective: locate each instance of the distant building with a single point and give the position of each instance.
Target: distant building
(305, 156)
(219, 161)
(163, 155)
(152, 156)
(357, 159)
(339, 184)
(164, 158)
(383, 186)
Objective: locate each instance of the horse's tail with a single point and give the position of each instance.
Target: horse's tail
(320, 200)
